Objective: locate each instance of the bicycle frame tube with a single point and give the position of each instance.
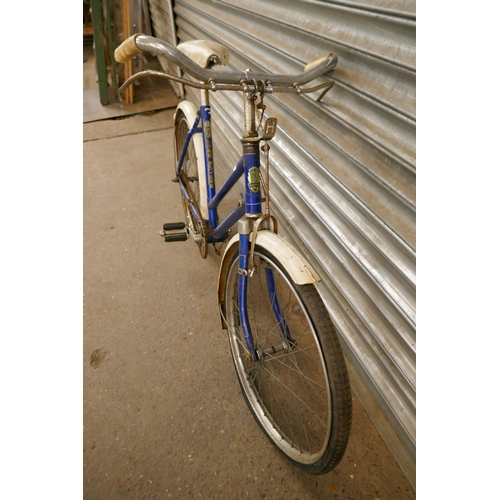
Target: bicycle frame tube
(227, 186)
(248, 164)
(213, 203)
(217, 232)
(209, 161)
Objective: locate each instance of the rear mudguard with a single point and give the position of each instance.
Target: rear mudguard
(294, 264)
(190, 111)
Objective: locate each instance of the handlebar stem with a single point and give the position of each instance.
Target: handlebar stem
(249, 114)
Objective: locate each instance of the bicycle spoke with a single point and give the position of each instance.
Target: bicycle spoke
(272, 356)
(283, 412)
(290, 356)
(243, 344)
(263, 293)
(294, 413)
(291, 434)
(304, 378)
(288, 391)
(273, 329)
(301, 400)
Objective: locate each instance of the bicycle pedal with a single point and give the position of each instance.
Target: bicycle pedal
(170, 226)
(176, 237)
(170, 232)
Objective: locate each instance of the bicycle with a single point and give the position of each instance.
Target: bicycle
(284, 346)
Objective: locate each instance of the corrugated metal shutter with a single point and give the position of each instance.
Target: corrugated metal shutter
(162, 19)
(343, 170)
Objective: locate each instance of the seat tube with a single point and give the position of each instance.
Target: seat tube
(209, 161)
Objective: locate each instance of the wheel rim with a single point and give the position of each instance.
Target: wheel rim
(288, 392)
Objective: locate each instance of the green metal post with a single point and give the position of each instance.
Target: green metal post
(100, 54)
(111, 45)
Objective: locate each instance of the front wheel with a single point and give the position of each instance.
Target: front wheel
(298, 390)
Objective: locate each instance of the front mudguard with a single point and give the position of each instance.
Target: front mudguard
(294, 264)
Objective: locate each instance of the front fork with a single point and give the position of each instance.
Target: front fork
(243, 294)
(245, 272)
(251, 161)
(246, 268)
(253, 204)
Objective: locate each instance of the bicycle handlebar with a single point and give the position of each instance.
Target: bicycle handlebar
(142, 43)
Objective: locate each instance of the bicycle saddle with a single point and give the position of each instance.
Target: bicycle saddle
(205, 53)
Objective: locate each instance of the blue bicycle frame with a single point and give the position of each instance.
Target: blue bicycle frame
(249, 166)
(217, 232)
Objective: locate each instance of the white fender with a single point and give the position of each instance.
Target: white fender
(295, 265)
(191, 111)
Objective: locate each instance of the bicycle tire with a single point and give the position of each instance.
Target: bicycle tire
(309, 422)
(189, 175)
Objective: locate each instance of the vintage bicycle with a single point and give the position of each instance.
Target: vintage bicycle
(284, 346)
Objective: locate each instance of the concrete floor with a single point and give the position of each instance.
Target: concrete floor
(163, 413)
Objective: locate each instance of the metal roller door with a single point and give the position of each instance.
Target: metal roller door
(342, 171)
(162, 20)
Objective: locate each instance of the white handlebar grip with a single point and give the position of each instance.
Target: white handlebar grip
(127, 49)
